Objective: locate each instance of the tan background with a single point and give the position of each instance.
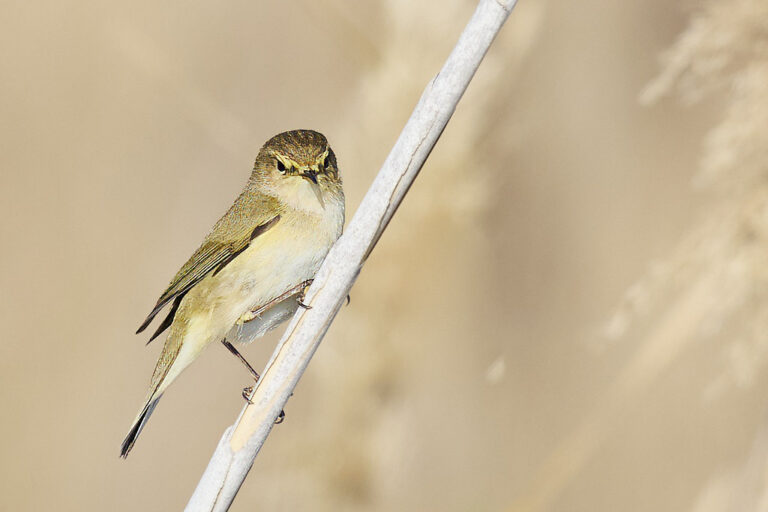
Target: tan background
(489, 359)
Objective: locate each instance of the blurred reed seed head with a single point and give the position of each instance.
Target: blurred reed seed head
(723, 51)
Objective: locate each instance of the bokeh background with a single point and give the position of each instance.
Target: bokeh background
(568, 313)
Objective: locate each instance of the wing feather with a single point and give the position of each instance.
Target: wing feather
(249, 217)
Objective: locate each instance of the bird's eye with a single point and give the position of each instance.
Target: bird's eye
(281, 167)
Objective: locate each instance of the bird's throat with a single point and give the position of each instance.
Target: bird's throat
(302, 195)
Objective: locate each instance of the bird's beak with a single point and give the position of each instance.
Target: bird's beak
(311, 175)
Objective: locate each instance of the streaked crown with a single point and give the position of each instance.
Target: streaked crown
(303, 147)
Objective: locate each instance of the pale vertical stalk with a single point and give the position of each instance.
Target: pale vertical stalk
(242, 441)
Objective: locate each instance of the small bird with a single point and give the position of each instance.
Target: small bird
(250, 272)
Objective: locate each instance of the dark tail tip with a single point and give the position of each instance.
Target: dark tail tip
(152, 315)
(130, 439)
(138, 425)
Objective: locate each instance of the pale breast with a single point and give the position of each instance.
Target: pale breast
(283, 257)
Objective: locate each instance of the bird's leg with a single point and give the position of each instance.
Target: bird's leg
(237, 354)
(255, 313)
(249, 389)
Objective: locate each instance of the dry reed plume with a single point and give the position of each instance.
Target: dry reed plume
(720, 269)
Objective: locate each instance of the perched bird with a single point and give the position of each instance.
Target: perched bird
(250, 272)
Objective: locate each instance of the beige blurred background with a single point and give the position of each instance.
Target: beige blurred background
(567, 314)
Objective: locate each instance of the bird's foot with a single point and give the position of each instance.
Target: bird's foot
(300, 296)
(247, 397)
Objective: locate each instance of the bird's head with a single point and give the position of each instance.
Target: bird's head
(298, 167)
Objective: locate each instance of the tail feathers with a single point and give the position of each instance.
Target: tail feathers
(138, 425)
